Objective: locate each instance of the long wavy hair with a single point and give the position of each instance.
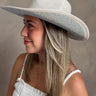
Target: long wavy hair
(57, 58)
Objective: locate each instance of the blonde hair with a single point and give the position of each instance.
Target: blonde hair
(57, 58)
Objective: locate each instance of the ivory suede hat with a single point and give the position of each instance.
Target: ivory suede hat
(57, 12)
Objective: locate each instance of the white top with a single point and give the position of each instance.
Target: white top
(24, 89)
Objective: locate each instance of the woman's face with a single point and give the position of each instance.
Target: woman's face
(33, 31)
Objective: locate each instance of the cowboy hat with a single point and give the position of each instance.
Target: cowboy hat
(57, 12)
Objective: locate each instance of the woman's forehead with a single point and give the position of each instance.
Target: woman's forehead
(27, 17)
(35, 20)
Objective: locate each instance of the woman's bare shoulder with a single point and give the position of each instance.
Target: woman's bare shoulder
(75, 85)
(15, 71)
(19, 60)
(21, 56)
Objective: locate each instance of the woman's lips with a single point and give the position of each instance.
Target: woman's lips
(26, 42)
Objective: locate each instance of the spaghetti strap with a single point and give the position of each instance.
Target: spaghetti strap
(23, 66)
(70, 74)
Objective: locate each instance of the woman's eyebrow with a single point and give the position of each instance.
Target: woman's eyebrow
(29, 21)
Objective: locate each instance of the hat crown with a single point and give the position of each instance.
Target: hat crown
(60, 5)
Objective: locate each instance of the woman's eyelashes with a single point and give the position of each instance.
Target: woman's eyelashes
(28, 25)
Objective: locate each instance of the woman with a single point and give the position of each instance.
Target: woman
(46, 68)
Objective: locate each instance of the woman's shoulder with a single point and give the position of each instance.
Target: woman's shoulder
(21, 55)
(20, 58)
(19, 61)
(75, 84)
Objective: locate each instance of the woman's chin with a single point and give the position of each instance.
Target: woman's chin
(30, 51)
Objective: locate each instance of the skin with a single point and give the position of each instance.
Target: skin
(34, 31)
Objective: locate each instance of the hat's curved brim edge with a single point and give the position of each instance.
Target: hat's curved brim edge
(77, 29)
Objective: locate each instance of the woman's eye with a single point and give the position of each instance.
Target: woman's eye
(30, 25)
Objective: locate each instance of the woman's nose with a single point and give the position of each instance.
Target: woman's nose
(24, 31)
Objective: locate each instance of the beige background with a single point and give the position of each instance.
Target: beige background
(83, 52)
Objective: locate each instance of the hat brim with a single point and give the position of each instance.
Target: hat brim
(76, 28)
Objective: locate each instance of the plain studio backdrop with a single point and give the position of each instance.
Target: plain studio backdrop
(82, 52)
